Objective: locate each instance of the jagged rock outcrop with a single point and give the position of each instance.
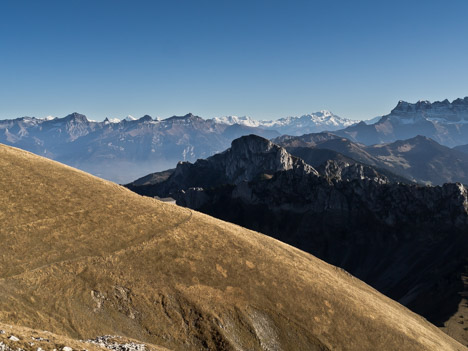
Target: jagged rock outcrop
(252, 155)
(445, 122)
(248, 157)
(344, 171)
(408, 241)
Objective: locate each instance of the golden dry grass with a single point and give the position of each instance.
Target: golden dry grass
(83, 257)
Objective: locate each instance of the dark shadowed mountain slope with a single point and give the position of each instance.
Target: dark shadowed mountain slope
(443, 121)
(305, 140)
(462, 148)
(408, 241)
(83, 257)
(418, 159)
(422, 159)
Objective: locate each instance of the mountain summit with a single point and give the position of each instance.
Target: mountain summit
(248, 157)
(445, 122)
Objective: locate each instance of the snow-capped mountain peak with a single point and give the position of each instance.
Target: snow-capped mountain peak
(130, 118)
(231, 120)
(111, 120)
(308, 123)
(443, 121)
(444, 112)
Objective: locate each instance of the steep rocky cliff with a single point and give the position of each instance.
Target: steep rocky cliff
(408, 241)
(248, 157)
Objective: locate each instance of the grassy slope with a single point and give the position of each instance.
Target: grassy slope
(84, 257)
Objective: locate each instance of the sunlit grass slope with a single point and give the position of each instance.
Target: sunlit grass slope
(83, 257)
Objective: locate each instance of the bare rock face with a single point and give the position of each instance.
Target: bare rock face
(251, 155)
(248, 158)
(344, 171)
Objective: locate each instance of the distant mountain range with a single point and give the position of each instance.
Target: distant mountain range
(123, 150)
(408, 241)
(443, 121)
(310, 123)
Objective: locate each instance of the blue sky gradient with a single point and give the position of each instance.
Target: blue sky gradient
(265, 59)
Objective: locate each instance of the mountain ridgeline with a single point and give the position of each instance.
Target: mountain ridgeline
(407, 241)
(418, 159)
(443, 121)
(310, 123)
(84, 257)
(124, 150)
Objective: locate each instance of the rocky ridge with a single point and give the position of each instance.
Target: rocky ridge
(443, 121)
(408, 241)
(248, 157)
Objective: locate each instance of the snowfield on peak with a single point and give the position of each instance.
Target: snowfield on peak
(231, 120)
(130, 118)
(113, 120)
(293, 125)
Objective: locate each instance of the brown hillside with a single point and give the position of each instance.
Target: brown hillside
(83, 257)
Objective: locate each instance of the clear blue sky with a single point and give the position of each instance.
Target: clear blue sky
(265, 59)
